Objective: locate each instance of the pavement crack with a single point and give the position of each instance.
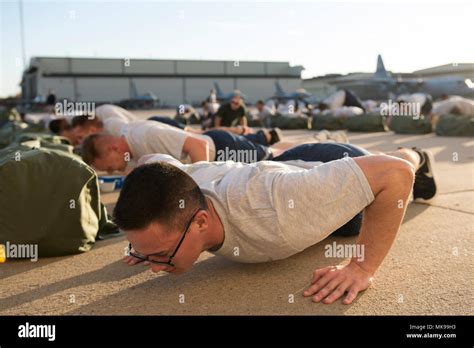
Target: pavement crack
(447, 208)
(457, 191)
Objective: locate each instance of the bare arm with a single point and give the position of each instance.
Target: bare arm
(391, 182)
(217, 121)
(197, 149)
(239, 130)
(192, 130)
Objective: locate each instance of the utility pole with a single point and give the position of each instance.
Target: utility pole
(22, 33)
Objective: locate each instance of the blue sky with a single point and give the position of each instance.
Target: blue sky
(324, 37)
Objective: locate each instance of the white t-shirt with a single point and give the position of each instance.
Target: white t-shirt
(213, 107)
(335, 100)
(463, 105)
(107, 111)
(419, 98)
(151, 137)
(343, 111)
(212, 98)
(266, 112)
(272, 210)
(347, 111)
(369, 105)
(114, 126)
(271, 104)
(289, 109)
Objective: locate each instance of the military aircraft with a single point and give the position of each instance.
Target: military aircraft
(383, 85)
(226, 97)
(445, 86)
(143, 101)
(298, 100)
(282, 95)
(379, 87)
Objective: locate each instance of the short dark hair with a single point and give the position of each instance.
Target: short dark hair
(85, 121)
(58, 125)
(88, 150)
(260, 101)
(323, 106)
(157, 192)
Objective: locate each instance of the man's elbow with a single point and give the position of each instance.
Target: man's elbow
(400, 172)
(197, 149)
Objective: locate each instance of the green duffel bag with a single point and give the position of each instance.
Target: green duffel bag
(455, 126)
(366, 123)
(11, 130)
(268, 122)
(50, 198)
(285, 122)
(329, 122)
(407, 125)
(9, 115)
(45, 140)
(253, 122)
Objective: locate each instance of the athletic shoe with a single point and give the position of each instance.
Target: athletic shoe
(339, 137)
(321, 136)
(425, 182)
(325, 136)
(276, 135)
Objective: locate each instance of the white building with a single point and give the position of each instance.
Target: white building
(172, 81)
(322, 86)
(464, 70)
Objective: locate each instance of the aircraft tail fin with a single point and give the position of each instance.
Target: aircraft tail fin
(381, 73)
(218, 90)
(134, 90)
(279, 89)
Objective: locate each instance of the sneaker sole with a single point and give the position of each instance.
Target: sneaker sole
(278, 133)
(430, 163)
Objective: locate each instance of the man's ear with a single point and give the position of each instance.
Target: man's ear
(113, 147)
(94, 129)
(202, 219)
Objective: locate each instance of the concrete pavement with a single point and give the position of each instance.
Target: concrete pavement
(428, 270)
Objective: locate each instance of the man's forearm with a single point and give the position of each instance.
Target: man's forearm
(236, 130)
(375, 239)
(381, 222)
(391, 181)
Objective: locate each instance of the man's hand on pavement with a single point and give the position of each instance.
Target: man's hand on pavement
(330, 283)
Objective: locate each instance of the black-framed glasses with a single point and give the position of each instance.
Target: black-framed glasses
(170, 258)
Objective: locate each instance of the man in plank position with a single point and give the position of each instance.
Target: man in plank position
(109, 152)
(271, 210)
